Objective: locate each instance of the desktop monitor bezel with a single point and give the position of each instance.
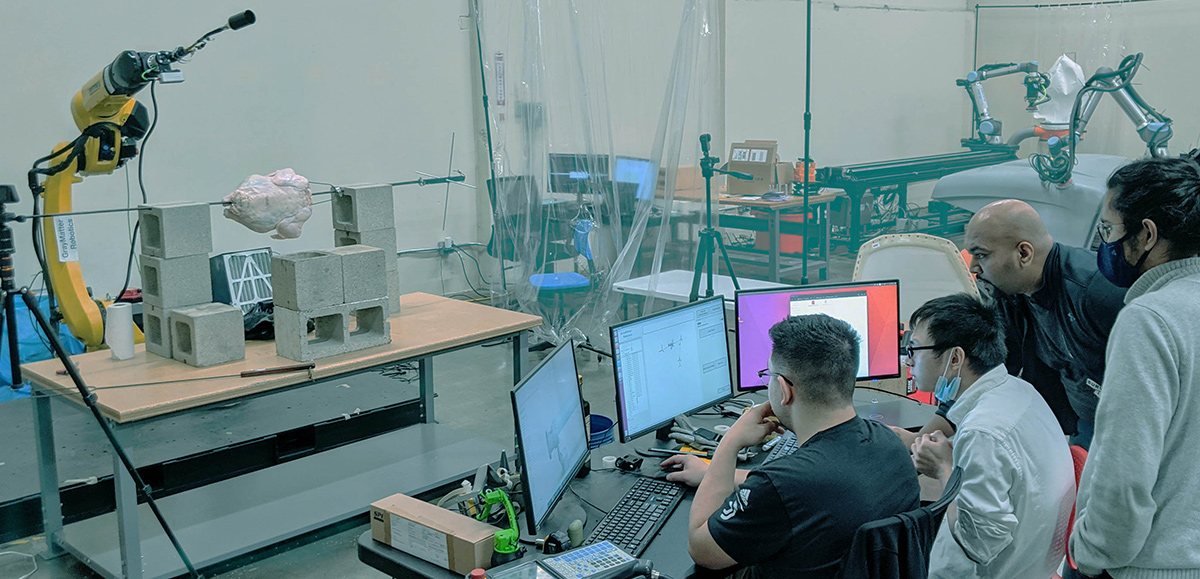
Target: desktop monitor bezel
(737, 316)
(622, 426)
(526, 490)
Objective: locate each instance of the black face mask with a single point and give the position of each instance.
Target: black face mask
(1110, 259)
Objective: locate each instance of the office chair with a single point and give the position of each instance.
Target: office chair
(1079, 457)
(928, 267)
(898, 547)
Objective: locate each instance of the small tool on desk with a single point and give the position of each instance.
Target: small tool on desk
(309, 366)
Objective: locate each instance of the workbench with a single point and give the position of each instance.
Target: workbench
(313, 484)
(774, 226)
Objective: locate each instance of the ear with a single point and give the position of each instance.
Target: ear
(786, 394)
(1148, 238)
(958, 357)
(1025, 253)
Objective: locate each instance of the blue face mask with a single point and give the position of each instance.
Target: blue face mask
(1110, 259)
(946, 389)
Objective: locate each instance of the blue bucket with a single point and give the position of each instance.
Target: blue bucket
(601, 429)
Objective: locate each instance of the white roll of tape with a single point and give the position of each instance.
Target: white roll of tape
(609, 462)
(722, 428)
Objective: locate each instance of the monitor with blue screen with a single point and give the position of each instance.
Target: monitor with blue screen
(670, 363)
(551, 441)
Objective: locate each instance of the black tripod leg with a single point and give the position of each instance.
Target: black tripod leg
(89, 400)
(14, 346)
(703, 255)
(728, 264)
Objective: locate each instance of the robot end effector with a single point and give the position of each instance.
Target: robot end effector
(104, 109)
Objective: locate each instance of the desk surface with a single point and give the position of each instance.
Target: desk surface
(760, 203)
(426, 324)
(676, 285)
(604, 488)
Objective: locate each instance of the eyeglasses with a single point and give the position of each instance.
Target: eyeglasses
(765, 375)
(1104, 230)
(909, 349)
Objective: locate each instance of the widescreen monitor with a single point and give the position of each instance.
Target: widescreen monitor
(871, 308)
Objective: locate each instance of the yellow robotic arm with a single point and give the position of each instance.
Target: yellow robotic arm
(110, 122)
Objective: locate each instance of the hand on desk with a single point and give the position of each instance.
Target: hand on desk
(691, 469)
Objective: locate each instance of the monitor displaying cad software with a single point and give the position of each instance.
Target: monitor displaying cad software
(871, 308)
(552, 443)
(670, 363)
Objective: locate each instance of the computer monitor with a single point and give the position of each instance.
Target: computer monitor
(871, 308)
(571, 172)
(670, 363)
(551, 441)
(638, 176)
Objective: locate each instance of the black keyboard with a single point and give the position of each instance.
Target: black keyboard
(638, 516)
(788, 445)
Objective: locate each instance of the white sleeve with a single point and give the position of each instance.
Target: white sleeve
(986, 517)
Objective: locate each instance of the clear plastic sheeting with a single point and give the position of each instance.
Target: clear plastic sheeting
(593, 108)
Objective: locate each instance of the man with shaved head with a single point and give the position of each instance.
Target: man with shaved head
(1057, 309)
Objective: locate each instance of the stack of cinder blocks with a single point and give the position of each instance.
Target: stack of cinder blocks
(365, 215)
(342, 291)
(179, 318)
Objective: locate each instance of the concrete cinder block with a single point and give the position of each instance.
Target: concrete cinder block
(306, 280)
(384, 239)
(174, 230)
(207, 334)
(157, 330)
(364, 272)
(393, 283)
(170, 283)
(338, 330)
(364, 208)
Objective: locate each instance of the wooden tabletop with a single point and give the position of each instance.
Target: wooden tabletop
(792, 201)
(426, 324)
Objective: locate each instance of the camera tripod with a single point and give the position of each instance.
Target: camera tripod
(8, 286)
(710, 238)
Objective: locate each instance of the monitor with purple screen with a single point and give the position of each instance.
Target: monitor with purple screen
(871, 308)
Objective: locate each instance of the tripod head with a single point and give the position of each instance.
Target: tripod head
(708, 163)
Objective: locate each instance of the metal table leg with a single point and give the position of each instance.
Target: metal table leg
(519, 354)
(43, 426)
(773, 258)
(425, 374)
(127, 521)
(826, 233)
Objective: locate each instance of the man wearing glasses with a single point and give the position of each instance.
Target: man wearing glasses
(1018, 480)
(1057, 309)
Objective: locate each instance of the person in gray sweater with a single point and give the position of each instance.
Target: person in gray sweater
(1139, 496)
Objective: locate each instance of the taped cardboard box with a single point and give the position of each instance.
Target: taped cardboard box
(432, 533)
(689, 183)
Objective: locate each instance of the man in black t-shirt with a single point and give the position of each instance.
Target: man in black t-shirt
(796, 516)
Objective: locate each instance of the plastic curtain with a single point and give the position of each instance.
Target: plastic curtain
(595, 108)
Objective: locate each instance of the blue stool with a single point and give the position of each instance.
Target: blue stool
(554, 287)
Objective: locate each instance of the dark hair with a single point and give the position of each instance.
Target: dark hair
(1165, 191)
(962, 320)
(819, 356)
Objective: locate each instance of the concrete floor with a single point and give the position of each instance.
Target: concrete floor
(472, 395)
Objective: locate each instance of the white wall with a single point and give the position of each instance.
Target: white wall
(882, 79)
(342, 92)
(1100, 36)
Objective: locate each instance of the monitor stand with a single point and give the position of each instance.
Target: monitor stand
(560, 518)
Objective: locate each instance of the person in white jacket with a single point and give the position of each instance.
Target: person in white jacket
(1138, 512)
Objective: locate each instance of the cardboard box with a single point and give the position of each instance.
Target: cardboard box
(689, 183)
(432, 533)
(758, 158)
